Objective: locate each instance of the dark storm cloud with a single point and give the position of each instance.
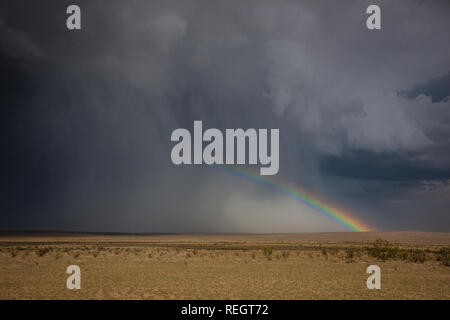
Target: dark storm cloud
(364, 165)
(438, 89)
(87, 115)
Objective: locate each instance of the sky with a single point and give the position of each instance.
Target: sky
(86, 115)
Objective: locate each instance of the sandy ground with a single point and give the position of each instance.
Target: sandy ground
(299, 266)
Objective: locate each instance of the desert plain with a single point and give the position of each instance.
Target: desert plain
(414, 265)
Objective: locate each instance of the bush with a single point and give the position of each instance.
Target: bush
(268, 251)
(416, 256)
(382, 249)
(444, 256)
(349, 255)
(42, 252)
(334, 252)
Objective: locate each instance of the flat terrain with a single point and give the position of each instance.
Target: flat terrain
(414, 265)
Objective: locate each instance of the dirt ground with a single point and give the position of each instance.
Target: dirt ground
(272, 266)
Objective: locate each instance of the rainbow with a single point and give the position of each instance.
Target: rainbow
(303, 196)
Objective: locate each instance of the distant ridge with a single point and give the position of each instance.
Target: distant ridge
(40, 232)
(395, 237)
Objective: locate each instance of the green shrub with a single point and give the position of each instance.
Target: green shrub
(268, 251)
(383, 250)
(416, 256)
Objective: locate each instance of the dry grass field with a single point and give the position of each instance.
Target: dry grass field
(414, 265)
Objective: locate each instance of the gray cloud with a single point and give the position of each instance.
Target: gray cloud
(89, 113)
(438, 89)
